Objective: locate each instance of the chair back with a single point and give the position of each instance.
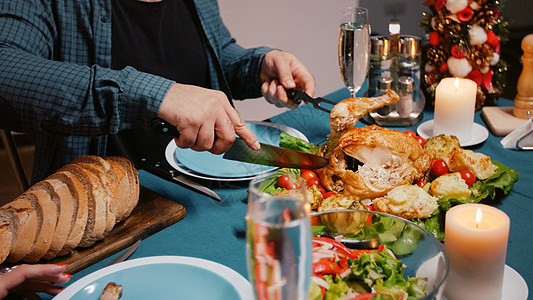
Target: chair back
(9, 122)
(8, 116)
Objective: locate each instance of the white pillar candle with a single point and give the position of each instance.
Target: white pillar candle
(455, 101)
(476, 243)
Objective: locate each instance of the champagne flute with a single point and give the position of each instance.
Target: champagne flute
(278, 248)
(354, 47)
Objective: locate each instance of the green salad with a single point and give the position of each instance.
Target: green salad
(350, 274)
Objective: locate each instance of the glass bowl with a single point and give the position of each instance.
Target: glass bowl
(421, 253)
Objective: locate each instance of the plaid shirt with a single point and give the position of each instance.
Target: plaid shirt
(55, 58)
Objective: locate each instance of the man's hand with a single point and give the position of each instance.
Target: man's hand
(204, 118)
(281, 70)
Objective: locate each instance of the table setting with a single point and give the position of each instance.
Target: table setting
(244, 233)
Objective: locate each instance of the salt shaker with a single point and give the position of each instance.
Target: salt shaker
(405, 105)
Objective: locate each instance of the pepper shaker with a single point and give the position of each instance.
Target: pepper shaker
(523, 102)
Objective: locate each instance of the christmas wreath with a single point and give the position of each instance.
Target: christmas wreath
(465, 37)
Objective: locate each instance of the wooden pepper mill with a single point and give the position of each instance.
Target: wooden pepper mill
(523, 102)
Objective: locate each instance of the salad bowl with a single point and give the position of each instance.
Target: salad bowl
(385, 254)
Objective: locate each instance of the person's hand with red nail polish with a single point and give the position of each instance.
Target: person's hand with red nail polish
(28, 280)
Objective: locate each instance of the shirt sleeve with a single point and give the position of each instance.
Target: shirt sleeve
(64, 98)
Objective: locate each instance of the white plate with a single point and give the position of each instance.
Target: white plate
(216, 167)
(479, 133)
(514, 286)
(164, 277)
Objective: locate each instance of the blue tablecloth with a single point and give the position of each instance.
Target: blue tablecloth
(215, 230)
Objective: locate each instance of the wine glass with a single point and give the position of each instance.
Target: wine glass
(354, 47)
(278, 248)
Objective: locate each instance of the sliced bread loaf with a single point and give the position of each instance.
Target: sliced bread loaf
(46, 219)
(25, 228)
(131, 196)
(60, 195)
(7, 232)
(97, 204)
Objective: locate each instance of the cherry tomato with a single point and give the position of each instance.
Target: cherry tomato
(421, 183)
(329, 194)
(468, 176)
(439, 167)
(284, 181)
(369, 216)
(420, 140)
(308, 174)
(313, 181)
(410, 133)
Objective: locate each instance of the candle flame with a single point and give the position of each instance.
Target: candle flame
(456, 84)
(479, 216)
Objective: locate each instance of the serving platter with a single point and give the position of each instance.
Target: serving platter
(208, 166)
(164, 277)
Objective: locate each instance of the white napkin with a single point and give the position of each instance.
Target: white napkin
(520, 137)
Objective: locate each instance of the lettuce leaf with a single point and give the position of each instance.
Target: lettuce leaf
(290, 142)
(398, 236)
(385, 274)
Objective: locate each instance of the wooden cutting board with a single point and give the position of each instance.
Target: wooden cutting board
(153, 213)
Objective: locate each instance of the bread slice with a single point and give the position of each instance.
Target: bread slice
(60, 195)
(25, 228)
(47, 220)
(7, 232)
(80, 209)
(115, 181)
(120, 204)
(97, 204)
(108, 186)
(132, 196)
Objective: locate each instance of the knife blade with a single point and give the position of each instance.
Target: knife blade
(274, 156)
(125, 255)
(172, 175)
(268, 155)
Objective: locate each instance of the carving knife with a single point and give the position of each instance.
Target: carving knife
(172, 175)
(268, 155)
(125, 255)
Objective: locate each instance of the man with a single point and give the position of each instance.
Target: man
(76, 71)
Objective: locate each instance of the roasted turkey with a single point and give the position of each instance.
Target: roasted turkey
(346, 113)
(368, 162)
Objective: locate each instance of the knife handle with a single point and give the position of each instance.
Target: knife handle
(161, 126)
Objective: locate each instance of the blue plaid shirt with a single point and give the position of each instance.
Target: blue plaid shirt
(55, 58)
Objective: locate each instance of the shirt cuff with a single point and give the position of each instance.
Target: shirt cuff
(142, 97)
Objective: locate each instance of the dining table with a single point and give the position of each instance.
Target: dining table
(215, 230)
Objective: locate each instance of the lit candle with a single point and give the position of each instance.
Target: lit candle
(476, 243)
(455, 101)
